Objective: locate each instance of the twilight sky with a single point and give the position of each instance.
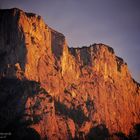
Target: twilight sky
(84, 22)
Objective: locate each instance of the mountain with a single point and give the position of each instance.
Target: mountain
(50, 91)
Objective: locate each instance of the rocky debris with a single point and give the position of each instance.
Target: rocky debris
(55, 92)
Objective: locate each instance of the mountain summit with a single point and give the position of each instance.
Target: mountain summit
(51, 91)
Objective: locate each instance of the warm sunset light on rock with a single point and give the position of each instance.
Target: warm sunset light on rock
(50, 91)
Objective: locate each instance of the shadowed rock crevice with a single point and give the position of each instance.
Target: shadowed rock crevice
(77, 115)
(12, 48)
(13, 116)
(100, 132)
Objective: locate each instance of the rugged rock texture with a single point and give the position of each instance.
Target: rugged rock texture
(50, 91)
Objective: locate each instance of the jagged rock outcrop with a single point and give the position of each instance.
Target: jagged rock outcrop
(60, 92)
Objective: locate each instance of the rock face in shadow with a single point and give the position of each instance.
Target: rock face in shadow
(99, 132)
(51, 91)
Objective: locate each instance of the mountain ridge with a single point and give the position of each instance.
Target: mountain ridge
(79, 90)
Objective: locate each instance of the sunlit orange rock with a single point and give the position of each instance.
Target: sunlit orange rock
(65, 92)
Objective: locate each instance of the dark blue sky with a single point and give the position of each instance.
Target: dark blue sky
(83, 22)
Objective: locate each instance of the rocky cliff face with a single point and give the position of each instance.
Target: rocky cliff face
(50, 91)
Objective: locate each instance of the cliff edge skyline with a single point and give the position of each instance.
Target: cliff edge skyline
(115, 23)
